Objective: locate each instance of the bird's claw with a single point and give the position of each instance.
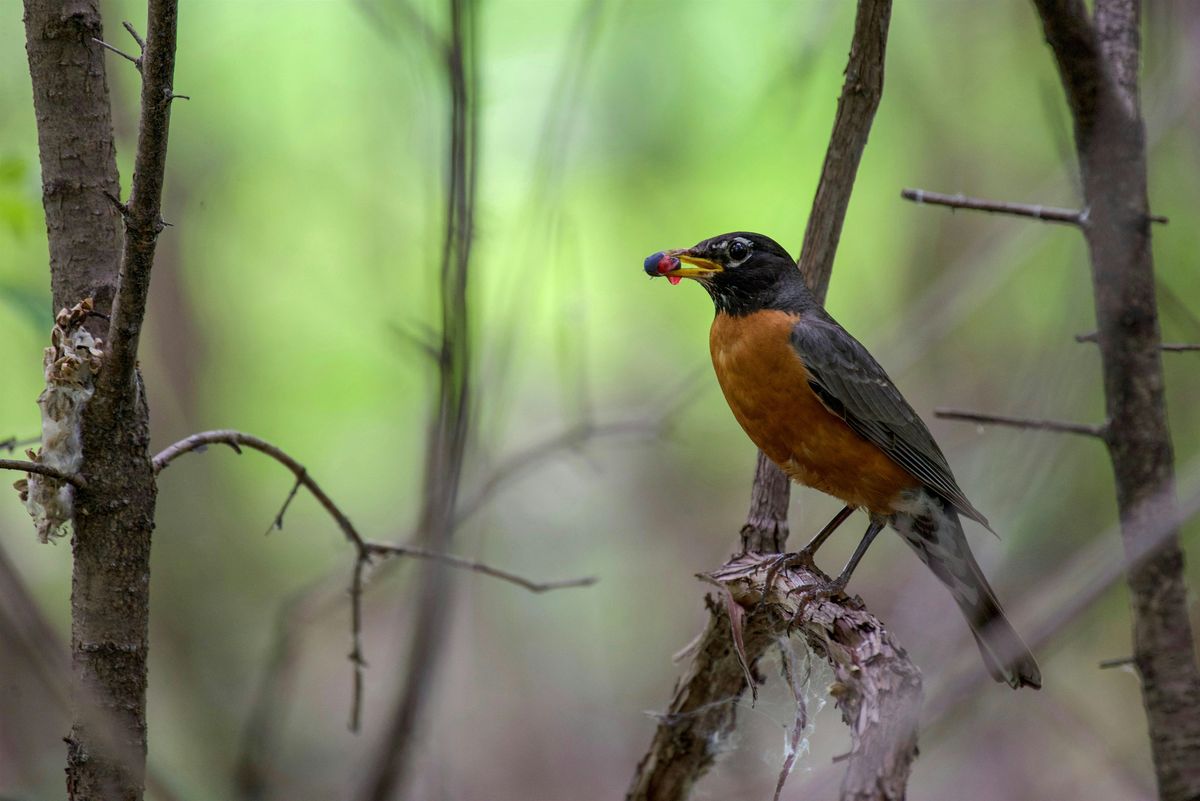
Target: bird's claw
(810, 593)
(784, 561)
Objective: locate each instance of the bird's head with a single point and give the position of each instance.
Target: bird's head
(743, 272)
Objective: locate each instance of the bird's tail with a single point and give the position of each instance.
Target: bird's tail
(937, 536)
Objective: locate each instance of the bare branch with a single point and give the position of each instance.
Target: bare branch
(417, 552)
(1036, 211)
(277, 523)
(141, 43)
(239, 438)
(960, 201)
(365, 550)
(143, 220)
(42, 469)
(1120, 661)
(1059, 426)
(137, 60)
(856, 107)
(1166, 347)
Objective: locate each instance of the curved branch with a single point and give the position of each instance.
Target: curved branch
(365, 549)
(237, 439)
(34, 467)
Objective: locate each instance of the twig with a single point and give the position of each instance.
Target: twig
(277, 523)
(1167, 347)
(1121, 661)
(387, 549)
(1059, 426)
(141, 43)
(137, 60)
(239, 438)
(365, 549)
(34, 467)
(960, 201)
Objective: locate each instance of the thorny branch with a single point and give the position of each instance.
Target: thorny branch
(365, 549)
(678, 755)
(1058, 426)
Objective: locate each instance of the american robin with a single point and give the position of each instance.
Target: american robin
(817, 403)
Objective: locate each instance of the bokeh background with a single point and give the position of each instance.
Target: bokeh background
(305, 183)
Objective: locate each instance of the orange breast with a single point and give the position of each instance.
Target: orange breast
(766, 386)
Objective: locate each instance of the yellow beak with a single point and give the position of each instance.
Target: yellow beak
(699, 268)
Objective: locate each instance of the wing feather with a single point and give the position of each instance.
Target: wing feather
(853, 386)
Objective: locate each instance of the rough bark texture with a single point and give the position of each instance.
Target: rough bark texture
(876, 687)
(75, 142)
(1098, 62)
(679, 755)
(114, 514)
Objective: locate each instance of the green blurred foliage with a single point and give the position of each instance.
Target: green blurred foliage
(305, 185)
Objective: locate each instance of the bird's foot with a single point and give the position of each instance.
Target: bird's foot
(782, 562)
(811, 593)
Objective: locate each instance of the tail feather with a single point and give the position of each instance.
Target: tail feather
(935, 533)
(1005, 654)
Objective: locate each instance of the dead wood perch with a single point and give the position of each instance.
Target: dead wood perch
(876, 687)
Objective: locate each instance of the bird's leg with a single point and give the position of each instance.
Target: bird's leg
(805, 555)
(809, 551)
(810, 593)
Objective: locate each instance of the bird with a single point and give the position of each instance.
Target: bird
(815, 401)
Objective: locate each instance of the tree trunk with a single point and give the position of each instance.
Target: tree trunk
(114, 515)
(1098, 61)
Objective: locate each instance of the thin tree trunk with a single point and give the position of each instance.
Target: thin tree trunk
(114, 515)
(1098, 60)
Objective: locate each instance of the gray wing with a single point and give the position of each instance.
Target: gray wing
(853, 386)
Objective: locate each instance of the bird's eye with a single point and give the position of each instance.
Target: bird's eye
(738, 250)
